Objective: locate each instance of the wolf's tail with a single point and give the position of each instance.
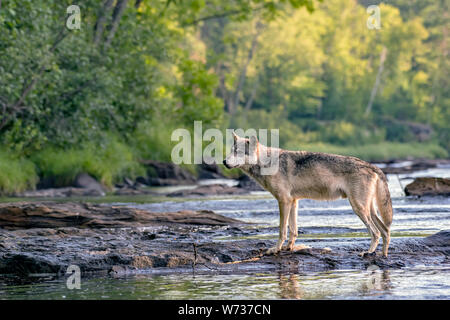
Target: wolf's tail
(384, 203)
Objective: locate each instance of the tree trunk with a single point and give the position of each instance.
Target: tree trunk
(377, 81)
(223, 89)
(117, 15)
(249, 103)
(101, 21)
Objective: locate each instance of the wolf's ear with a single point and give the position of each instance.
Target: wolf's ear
(235, 136)
(253, 140)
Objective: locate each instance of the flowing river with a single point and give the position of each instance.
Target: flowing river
(321, 224)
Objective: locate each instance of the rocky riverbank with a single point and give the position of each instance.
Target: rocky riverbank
(45, 238)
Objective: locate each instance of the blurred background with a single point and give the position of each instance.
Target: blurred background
(104, 97)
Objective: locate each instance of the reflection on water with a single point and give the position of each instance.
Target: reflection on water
(348, 284)
(290, 287)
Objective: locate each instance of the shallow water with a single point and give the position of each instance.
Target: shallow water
(321, 223)
(417, 283)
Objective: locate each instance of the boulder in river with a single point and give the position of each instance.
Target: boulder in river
(82, 186)
(167, 174)
(210, 171)
(60, 193)
(249, 184)
(428, 187)
(85, 181)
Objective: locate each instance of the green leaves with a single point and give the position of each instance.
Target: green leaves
(309, 65)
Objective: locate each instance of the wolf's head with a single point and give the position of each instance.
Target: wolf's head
(243, 152)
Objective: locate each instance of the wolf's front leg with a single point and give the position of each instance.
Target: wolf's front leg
(285, 208)
(293, 230)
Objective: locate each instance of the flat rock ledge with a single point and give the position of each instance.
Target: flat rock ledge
(81, 215)
(38, 240)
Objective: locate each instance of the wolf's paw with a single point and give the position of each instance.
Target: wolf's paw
(295, 247)
(367, 254)
(273, 250)
(288, 247)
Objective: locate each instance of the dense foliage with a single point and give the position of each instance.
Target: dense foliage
(101, 97)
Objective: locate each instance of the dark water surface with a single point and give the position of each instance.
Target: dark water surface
(417, 283)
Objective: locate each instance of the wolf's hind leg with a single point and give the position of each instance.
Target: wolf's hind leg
(363, 212)
(383, 229)
(285, 209)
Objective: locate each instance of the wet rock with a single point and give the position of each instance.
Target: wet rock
(158, 182)
(428, 187)
(61, 193)
(133, 191)
(128, 182)
(148, 236)
(439, 241)
(82, 186)
(247, 183)
(130, 188)
(48, 237)
(26, 263)
(208, 190)
(118, 270)
(210, 171)
(442, 238)
(56, 215)
(166, 174)
(142, 180)
(85, 181)
(124, 251)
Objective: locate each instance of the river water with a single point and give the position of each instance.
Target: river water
(322, 224)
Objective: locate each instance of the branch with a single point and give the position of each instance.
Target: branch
(77, 90)
(117, 15)
(101, 20)
(223, 89)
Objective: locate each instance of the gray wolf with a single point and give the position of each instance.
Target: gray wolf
(319, 176)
